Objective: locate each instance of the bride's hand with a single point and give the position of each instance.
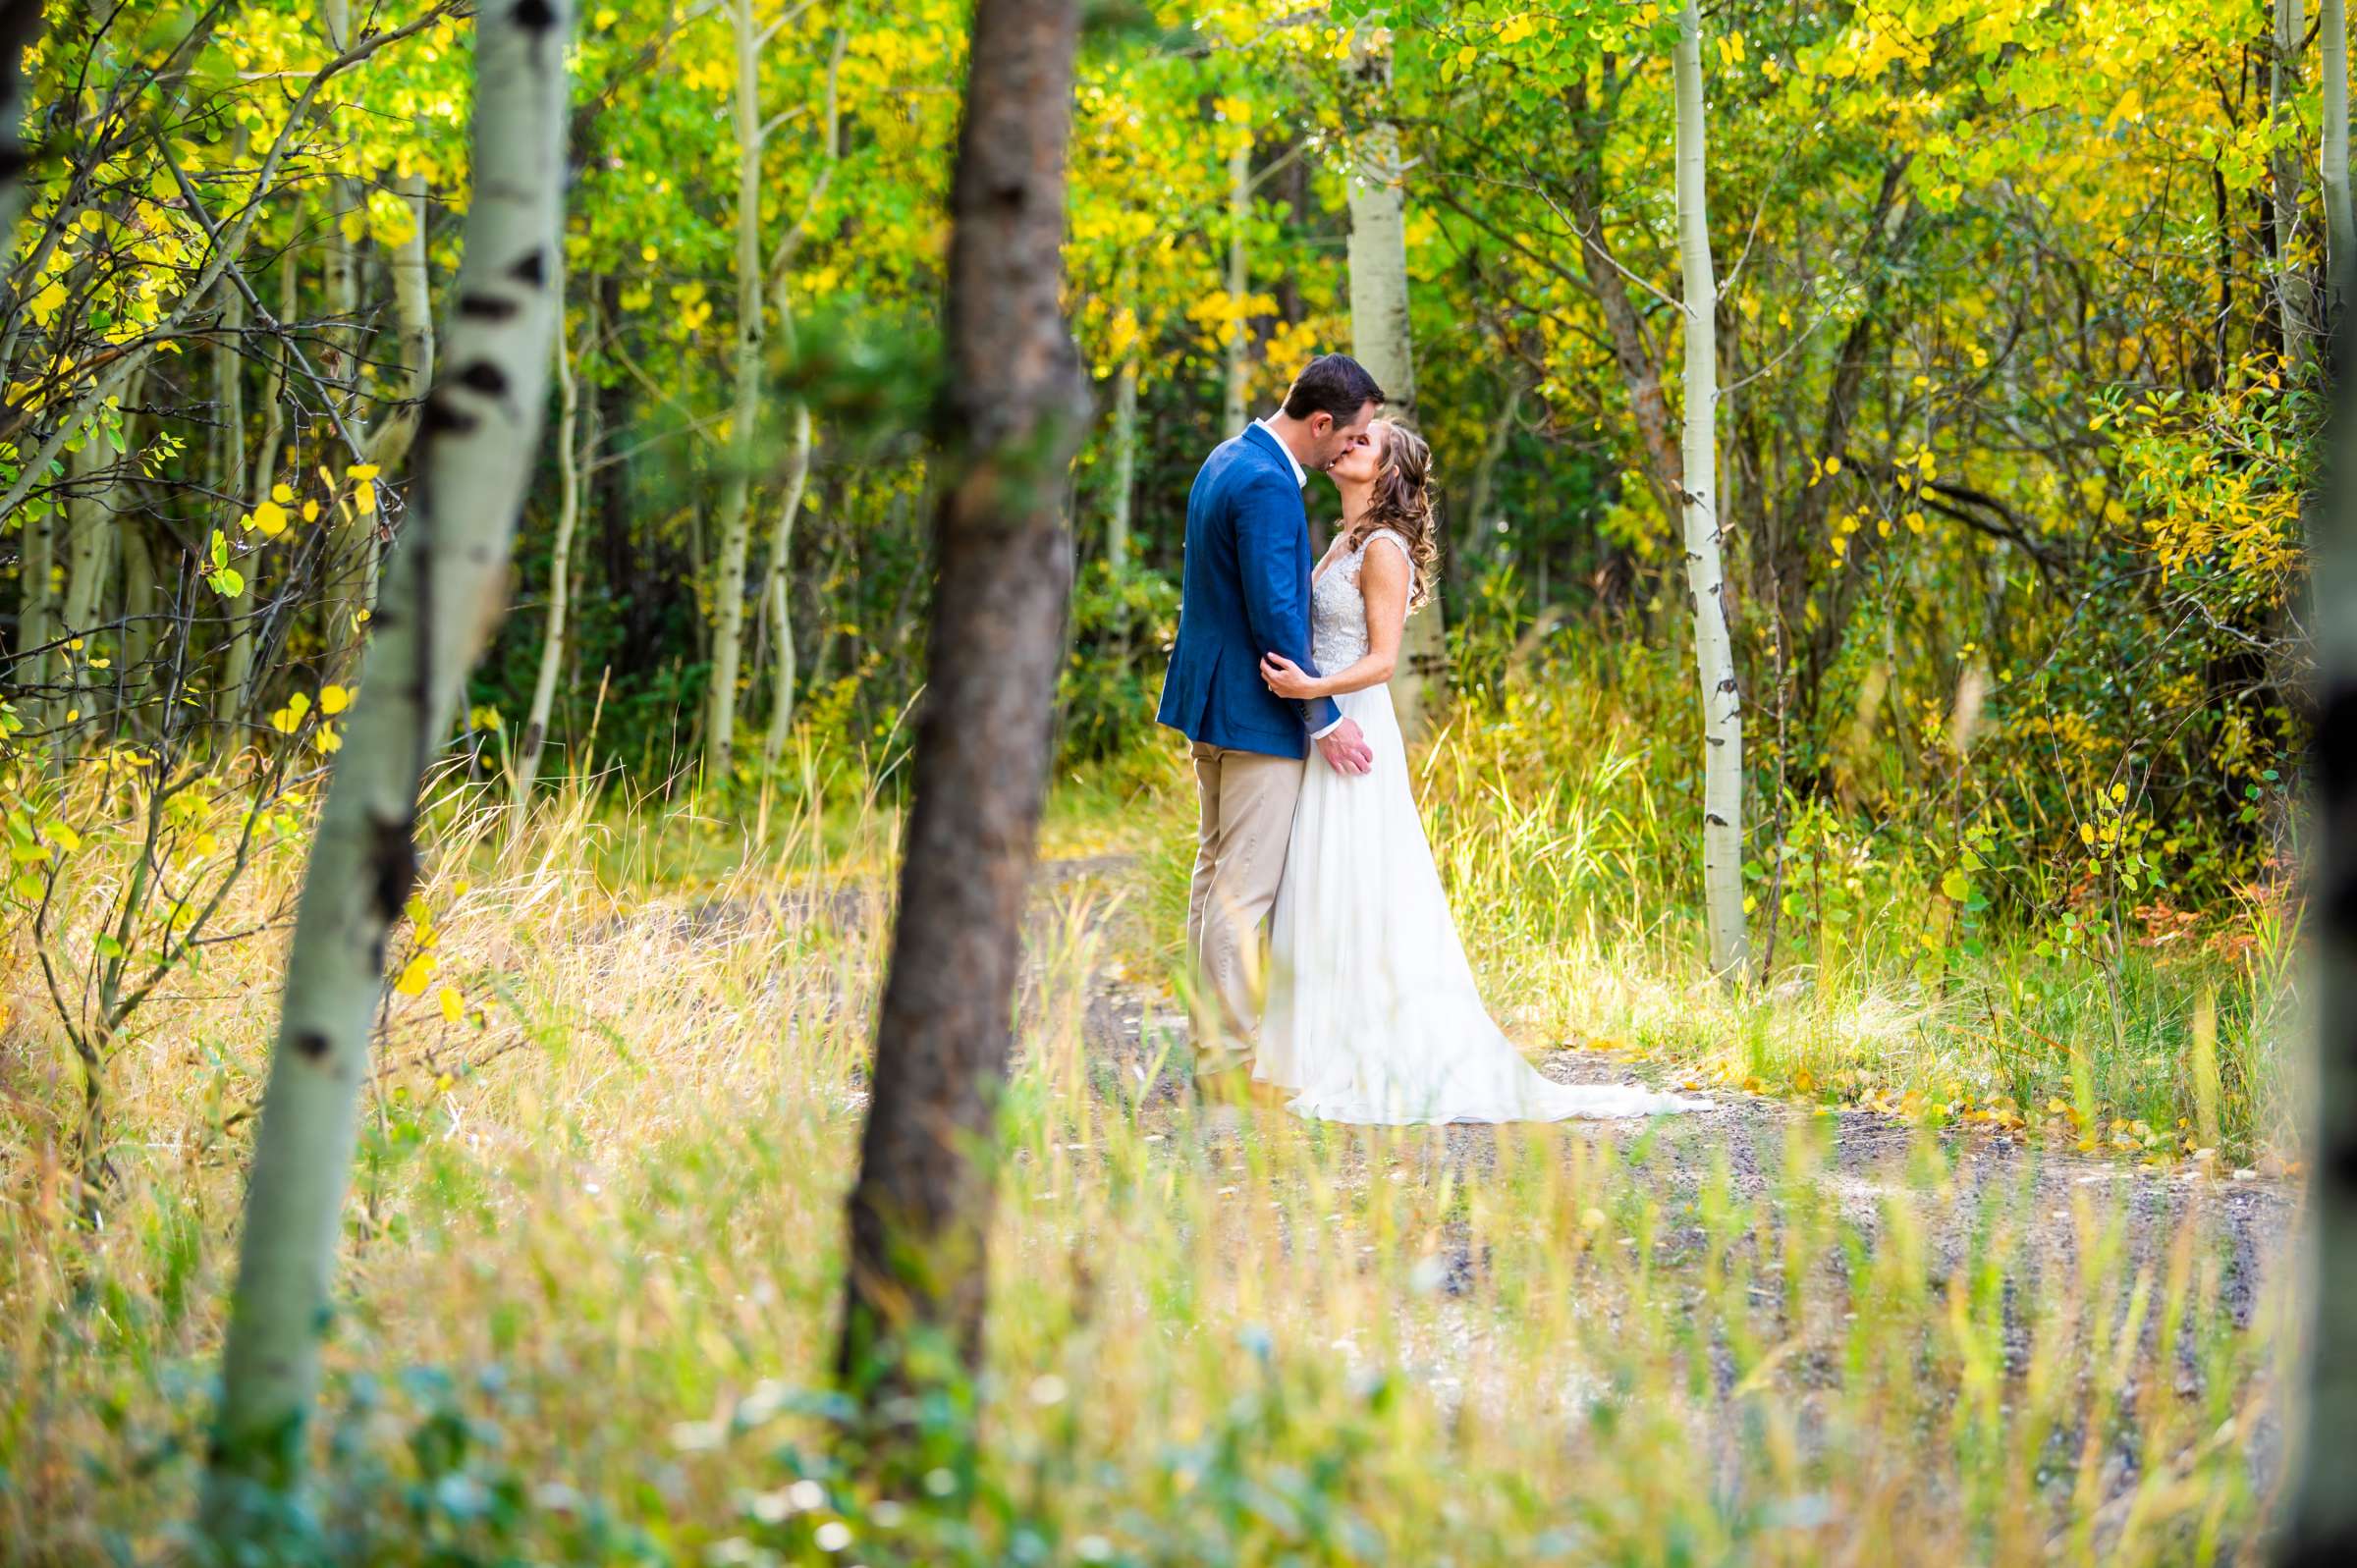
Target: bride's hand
(1285, 677)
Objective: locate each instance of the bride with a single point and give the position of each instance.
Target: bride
(1373, 1015)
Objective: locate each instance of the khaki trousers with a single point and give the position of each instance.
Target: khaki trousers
(1247, 803)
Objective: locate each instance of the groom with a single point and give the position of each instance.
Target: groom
(1246, 595)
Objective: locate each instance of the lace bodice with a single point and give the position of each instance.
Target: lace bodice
(1337, 611)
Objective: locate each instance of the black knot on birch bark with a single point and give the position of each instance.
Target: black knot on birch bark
(531, 268)
(438, 417)
(482, 376)
(2336, 743)
(488, 307)
(312, 1045)
(537, 15)
(392, 866)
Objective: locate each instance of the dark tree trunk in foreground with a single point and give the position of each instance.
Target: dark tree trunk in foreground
(2323, 1524)
(1012, 416)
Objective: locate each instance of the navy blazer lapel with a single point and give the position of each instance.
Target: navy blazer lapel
(1258, 435)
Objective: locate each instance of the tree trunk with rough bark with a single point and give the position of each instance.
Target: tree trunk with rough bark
(1014, 413)
(474, 451)
(1706, 582)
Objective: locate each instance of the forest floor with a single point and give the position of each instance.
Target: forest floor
(599, 1220)
(2245, 1219)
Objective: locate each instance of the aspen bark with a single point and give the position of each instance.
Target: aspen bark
(237, 674)
(1381, 340)
(1706, 582)
(414, 311)
(1124, 466)
(474, 457)
(89, 554)
(559, 566)
(1016, 409)
(736, 524)
(37, 618)
(779, 586)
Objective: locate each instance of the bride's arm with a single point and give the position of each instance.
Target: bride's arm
(1383, 583)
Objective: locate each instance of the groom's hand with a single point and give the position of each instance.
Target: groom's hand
(1346, 750)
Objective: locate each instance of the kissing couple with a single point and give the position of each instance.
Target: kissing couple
(1363, 1008)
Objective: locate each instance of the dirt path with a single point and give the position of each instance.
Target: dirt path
(1868, 1158)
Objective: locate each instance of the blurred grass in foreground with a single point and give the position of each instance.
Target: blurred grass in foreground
(595, 1227)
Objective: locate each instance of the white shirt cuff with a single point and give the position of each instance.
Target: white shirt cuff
(1319, 735)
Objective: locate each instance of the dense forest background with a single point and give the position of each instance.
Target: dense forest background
(2017, 340)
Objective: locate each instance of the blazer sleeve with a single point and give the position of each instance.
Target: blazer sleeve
(1271, 560)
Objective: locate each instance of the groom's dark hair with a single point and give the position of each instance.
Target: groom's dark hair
(1333, 384)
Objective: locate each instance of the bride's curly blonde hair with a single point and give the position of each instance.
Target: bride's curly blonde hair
(1403, 502)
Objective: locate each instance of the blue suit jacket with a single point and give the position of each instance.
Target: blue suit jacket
(1245, 593)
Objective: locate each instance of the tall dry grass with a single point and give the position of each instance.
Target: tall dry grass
(589, 1277)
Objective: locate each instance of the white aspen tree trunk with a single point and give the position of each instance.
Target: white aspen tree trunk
(779, 590)
(1706, 583)
(139, 603)
(736, 514)
(777, 586)
(237, 674)
(560, 568)
(1474, 527)
(1381, 340)
(1125, 466)
(1240, 279)
(353, 569)
(474, 454)
(89, 541)
(2340, 230)
(37, 617)
(2294, 296)
(414, 311)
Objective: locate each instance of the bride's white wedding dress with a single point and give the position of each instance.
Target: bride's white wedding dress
(1373, 1015)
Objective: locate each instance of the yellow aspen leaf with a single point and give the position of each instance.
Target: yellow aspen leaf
(311, 512)
(58, 834)
(327, 740)
(270, 518)
(365, 498)
(454, 1006)
(281, 492)
(334, 699)
(415, 975)
(363, 470)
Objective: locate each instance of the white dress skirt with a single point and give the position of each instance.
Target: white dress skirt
(1373, 1015)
